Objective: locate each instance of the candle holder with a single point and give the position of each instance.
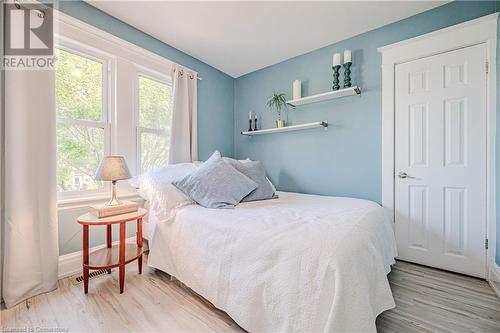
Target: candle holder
(250, 127)
(336, 85)
(255, 125)
(347, 74)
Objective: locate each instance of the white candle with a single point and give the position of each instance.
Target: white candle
(336, 59)
(347, 56)
(297, 89)
(250, 115)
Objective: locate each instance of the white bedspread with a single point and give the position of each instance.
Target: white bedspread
(300, 263)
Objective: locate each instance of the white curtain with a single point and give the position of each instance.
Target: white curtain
(184, 129)
(30, 240)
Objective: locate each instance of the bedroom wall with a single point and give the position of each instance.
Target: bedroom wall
(344, 160)
(215, 108)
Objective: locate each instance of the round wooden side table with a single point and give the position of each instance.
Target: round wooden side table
(113, 255)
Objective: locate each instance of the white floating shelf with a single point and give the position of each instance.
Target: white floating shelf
(318, 124)
(355, 90)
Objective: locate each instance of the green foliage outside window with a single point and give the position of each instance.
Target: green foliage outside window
(78, 97)
(155, 112)
(78, 87)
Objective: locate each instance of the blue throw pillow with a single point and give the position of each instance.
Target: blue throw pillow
(256, 172)
(216, 184)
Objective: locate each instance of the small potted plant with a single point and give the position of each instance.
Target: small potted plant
(278, 102)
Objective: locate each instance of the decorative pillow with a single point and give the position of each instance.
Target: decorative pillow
(156, 187)
(246, 160)
(216, 184)
(255, 171)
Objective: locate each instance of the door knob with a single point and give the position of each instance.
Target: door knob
(404, 175)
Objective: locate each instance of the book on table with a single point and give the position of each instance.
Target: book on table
(103, 210)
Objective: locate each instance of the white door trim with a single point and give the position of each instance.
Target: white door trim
(478, 31)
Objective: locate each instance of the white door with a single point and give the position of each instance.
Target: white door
(440, 160)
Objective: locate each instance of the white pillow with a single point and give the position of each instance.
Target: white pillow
(156, 187)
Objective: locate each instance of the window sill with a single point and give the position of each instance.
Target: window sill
(85, 201)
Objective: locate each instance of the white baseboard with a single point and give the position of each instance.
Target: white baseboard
(71, 263)
(494, 279)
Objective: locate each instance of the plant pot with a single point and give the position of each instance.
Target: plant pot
(280, 123)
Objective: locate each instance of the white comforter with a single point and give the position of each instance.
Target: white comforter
(300, 263)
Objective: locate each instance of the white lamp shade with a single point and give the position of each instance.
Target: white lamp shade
(112, 168)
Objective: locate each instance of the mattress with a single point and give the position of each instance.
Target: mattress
(300, 263)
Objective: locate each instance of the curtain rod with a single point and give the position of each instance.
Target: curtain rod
(182, 70)
(34, 7)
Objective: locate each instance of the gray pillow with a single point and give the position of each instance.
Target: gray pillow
(256, 172)
(216, 184)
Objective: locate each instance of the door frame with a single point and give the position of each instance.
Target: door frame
(474, 32)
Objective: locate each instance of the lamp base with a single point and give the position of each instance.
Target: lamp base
(113, 201)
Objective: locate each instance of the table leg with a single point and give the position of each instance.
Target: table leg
(122, 256)
(85, 258)
(109, 239)
(139, 243)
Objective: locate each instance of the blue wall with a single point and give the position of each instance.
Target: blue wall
(345, 160)
(215, 92)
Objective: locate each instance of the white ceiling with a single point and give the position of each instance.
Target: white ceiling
(241, 37)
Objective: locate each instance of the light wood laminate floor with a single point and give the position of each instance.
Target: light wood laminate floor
(428, 300)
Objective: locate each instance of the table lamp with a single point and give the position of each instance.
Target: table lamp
(112, 168)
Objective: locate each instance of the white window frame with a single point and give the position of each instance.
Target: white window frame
(107, 63)
(152, 75)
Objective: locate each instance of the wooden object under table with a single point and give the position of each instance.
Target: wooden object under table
(113, 255)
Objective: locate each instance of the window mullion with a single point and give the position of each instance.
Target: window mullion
(156, 131)
(82, 122)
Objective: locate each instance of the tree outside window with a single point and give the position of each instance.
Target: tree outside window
(81, 125)
(155, 118)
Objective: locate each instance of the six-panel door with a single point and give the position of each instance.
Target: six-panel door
(440, 160)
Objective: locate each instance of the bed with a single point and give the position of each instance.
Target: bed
(300, 263)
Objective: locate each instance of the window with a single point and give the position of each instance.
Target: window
(82, 128)
(154, 120)
(112, 98)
